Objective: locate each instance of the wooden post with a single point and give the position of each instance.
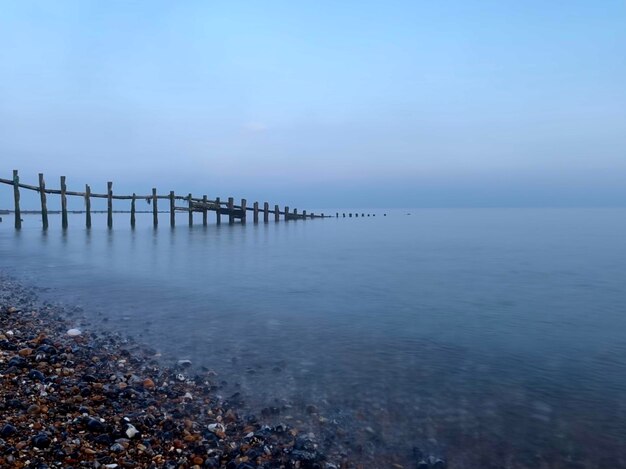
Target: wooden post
(16, 198)
(255, 212)
(190, 203)
(87, 206)
(110, 204)
(266, 212)
(132, 211)
(276, 213)
(244, 211)
(155, 209)
(286, 213)
(44, 207)
(322, 215)
(231, 205)
(172, 209)
(337, 215)
(350, 215)
(344, 215)
(219, 211)
(304, 214)
(312, 215)
(295, 213)
(205, 202)
(63, 203)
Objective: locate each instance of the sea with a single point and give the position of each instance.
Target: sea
(488, 338)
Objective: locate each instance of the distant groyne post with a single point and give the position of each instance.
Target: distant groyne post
(88, 206)
(63, 203)
(172, 198)
(44, 205)
(155, 208)
(110, 204)
(16, 199)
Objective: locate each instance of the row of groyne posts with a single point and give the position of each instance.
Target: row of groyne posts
(193, 204)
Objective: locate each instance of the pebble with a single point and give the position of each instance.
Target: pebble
(41, 440)
(74, 332)
(7, 431)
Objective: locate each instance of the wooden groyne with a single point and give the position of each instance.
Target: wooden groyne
(190, 204)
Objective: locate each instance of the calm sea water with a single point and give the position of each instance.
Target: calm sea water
(492, 337)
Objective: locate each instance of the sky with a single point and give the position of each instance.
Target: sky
(320, 103)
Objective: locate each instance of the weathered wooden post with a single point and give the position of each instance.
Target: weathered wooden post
(155, 209)
(190, 205)
(276, 213)
(172, 209)
(344, 215)
(110, 204)
(231, 207)
(63, 203)
(16, 198)
(205, 202)
(244, 211)
(295, 213)
(337, 215)
(350, 215)
(218, 203)
(44, 207)
(255, 212)
(312, 215)
(87, 206)
(304, 214)
(132, 210)
(286, 213)
(266, 212)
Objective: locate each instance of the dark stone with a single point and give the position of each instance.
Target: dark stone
(18, 362)
(439, 464)
(94, 425)
(103, 439)
(6, 345)
(47, 349)
(41, 441)
(422, 465)
(211, 463)
(89, 378)
(36, 375)
(7, 430)
(15, 404)
(303, 443)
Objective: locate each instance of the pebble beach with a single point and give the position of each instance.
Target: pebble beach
(74, 398)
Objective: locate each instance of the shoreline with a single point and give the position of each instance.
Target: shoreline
(99, 400)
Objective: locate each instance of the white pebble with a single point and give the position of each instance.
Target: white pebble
(74, 332)
(131, 431)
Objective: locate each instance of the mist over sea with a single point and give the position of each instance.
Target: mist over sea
(485, 336)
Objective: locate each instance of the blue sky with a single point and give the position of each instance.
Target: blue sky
(321, 104)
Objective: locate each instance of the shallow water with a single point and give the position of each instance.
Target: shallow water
(492, 337)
